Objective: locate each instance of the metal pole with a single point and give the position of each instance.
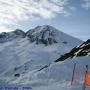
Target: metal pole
(73, 75)
(85, 80)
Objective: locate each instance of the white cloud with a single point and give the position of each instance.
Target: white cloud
(86, 4)
(12, 11)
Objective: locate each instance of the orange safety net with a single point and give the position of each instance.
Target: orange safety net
(87, 81)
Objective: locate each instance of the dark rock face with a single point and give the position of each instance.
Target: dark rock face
(82, 50)
(42, 35)
(3, 35)
(17, 75)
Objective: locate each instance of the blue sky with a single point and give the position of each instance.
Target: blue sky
(69, 16)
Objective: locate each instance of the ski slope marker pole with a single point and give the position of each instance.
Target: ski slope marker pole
(73, 75)
(85, 78)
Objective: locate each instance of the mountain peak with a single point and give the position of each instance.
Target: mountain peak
(8, 36)
(49, 35)
(42, 34)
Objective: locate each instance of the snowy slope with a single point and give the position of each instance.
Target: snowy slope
(56, 77)
(21, 57)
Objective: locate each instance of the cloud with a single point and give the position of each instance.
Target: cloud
(13, 11)
(86, 4)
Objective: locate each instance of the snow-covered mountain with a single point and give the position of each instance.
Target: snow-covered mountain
(22, 57)
(45, 35)
(5, 37)
(19, 47)
(48, 35)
